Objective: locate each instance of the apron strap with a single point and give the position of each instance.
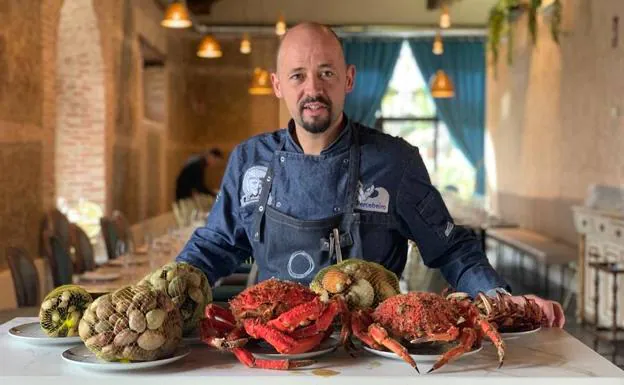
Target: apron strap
(267, 182)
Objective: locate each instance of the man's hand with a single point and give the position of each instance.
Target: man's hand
(552, 310)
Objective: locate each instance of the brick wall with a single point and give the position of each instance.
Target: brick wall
(80, 105)
(550, 118)
(72, 117)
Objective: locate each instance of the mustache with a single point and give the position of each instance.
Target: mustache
(316, 99)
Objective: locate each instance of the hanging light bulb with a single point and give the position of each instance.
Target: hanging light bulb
(260, 82)
(445, 18)
(176, 16)
(209, 48)
(441, 85)
(438, 46)
(245, 46)
(280, 26)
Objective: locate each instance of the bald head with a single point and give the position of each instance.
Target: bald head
(312, 76)
(302, 32)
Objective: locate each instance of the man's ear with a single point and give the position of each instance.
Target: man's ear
(350, 78)
(276, 85)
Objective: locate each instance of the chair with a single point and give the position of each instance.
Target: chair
(84, 256)
(61, 262)
(110, 235)
(123, 227)
(25, 277)
(54, 223)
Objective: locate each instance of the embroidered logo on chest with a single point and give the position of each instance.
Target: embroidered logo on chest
(371, 198)
(252, 184)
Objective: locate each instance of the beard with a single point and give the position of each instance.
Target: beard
(316, 124)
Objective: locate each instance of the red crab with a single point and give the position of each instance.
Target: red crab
(287, 315)
(418, 317)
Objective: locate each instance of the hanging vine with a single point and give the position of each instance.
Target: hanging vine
(505, 12)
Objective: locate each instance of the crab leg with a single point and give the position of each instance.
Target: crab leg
(220, 317)
(298, 315)
(359, 326)
(283, 343)
(491, 332)
(323, 322)
(467, 338)
(449, 335)
(249, 360)
(380, 335)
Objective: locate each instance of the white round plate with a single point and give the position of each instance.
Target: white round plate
(263, 350)
(99, 277)
(81, 356)
(32, 333)
(418, 357)
(519, 334)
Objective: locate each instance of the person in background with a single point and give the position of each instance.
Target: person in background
(192, 178)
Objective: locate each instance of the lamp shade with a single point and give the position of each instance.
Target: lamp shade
(441, 85)
(280, 26)
(260, 82)
(176, 16)
(445, 18)
(438, 46)
(209, 48)
(245, 45)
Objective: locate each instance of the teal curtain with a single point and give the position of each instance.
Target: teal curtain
(374, 61)
(464, 62)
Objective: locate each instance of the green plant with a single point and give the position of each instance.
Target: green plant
(501, 18)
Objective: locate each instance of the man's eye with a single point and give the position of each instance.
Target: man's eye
(296, 76)
(327, 74)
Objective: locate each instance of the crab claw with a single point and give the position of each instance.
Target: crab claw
(250, 361)
(380, 335)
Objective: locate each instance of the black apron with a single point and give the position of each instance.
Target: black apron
(292, 249)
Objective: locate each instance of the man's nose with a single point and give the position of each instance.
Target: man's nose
(314, 86)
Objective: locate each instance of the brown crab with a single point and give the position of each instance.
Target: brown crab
(418, 317)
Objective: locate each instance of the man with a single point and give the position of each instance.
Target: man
(325, 175)
(191, 179)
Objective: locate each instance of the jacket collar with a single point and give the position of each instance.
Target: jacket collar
(342, 142)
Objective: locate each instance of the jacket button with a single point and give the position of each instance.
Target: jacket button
(282, 159)
(336, 209)
(278, 204)
(261, 208)
(345, 161)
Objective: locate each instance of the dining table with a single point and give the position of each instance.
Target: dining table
(550, 355)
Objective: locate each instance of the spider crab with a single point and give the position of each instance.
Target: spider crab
(418, 317)
(505, 315)
(287, 315)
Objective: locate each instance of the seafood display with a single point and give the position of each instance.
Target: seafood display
(287, 315)
(419, 317)
(362, 283)
(187, 287)
(134, 323)
(62, 309)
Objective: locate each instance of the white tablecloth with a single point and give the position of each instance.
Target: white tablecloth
(551, 355)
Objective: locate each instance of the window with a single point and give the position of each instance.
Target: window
(408, 111)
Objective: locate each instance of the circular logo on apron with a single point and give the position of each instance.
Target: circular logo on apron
(300, 264)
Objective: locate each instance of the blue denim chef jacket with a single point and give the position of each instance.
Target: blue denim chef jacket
(395, 196)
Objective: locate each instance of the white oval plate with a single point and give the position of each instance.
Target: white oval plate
(81, 356)
(32, 333)
(263, 350)
(519, 334)
(417, 357)
(99, 277)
